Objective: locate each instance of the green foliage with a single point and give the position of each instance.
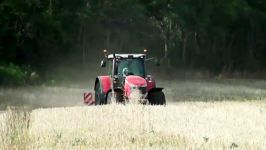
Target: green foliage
(230, 33)
(11, 74)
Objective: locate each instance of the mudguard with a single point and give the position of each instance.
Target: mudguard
(150, 82)
(105, 83)
(101, 87)
(155, 89)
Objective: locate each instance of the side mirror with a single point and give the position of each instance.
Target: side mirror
(103, 63)
(157, 62)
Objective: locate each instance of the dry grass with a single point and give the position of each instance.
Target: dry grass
(14, 129)
(190, 125)
(216, 115)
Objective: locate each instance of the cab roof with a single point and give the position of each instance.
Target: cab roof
(111, 56)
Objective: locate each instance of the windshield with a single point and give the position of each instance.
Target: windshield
(133, 67)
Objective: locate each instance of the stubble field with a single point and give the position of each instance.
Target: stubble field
(228, 114)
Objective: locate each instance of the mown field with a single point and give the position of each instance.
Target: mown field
(220, 114)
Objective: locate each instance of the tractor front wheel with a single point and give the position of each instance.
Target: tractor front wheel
(118, 97)
(157, 98)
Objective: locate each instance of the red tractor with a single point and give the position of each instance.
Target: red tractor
(127, 81)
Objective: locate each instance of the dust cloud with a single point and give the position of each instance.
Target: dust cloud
(71, 94)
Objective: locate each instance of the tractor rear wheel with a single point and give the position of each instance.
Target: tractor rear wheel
(157, 98)
(98, 94)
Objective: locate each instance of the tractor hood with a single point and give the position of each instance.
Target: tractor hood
(135, 81)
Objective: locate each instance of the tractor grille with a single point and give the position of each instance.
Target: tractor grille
(142, 90)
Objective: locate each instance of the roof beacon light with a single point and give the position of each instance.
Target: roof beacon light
(145, 50)
(105, 52)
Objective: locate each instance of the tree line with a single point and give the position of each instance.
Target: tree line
(219, 36)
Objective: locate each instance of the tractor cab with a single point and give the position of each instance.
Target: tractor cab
(125, 64)
(122, 65)
(130, 66)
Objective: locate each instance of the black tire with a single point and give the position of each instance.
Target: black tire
(98, 94)
(157, 98)
(118, 97)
